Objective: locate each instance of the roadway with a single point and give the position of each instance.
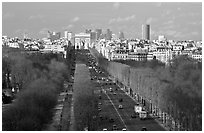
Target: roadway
(132, 124)
(109, 108)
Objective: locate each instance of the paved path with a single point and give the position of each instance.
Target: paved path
(72, 119)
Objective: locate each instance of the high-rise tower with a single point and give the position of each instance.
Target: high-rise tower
(146, 32)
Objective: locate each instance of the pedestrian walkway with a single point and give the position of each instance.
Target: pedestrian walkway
(72, 118)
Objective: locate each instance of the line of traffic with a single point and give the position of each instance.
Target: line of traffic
(117, 111)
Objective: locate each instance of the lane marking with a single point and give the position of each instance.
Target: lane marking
(136, 102)
(117, 112)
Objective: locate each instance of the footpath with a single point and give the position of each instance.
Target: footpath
(64, 119)
(62, 111)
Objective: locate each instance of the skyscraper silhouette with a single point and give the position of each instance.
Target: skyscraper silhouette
(146, 32)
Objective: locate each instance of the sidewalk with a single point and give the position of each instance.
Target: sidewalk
(72, 118)
(62, 111)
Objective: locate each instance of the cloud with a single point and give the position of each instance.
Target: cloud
(68, 27)
(168, 22)
(119, 19)
(166, 13)
(35, 17)
(150, 20)
(170, 32)
(7, 15)
(179, 35)
(75, 19)
(193, 23)
(21, 31)
(116, 5)
(178, 8)
(194, 14)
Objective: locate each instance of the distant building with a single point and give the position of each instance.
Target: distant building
(88, 31)
(161, 38)
(114, 36)
(55, 48)
(163, 54)
(93, 36)
(98, 33)
(108, 34)
(121, 35)
(69, 36)
(197, 56)
(66, 34)
(82, 40)
(25, 36)
(53, 35)
(146, 32)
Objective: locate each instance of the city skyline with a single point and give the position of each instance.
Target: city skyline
(177, 21)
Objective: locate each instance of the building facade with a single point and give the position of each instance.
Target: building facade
(53, 35)
(121, 35)
(108, 34)
(98, 33)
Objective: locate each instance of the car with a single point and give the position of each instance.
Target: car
(99, 103)
(134, 116)
(105, 129)
(6, 98)
(114, 127)
(111, 120)
(144, 129)
(143, 115)
(100, 116)
(99, 96)
(99, 109)
(120, 100)
(120, 106)
(114, 93)
(124, 129)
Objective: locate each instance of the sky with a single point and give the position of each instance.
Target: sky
(175, 20)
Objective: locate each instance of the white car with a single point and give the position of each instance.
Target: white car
(120, 106)
(124, 129)
(105, 129)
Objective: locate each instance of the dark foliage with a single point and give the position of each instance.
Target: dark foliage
(40, 78)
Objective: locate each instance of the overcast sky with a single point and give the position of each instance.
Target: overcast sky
(177, 21)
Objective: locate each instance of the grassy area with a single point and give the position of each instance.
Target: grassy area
(84, 100)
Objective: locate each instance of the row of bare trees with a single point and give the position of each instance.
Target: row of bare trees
(172, 93)
(39, 79)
